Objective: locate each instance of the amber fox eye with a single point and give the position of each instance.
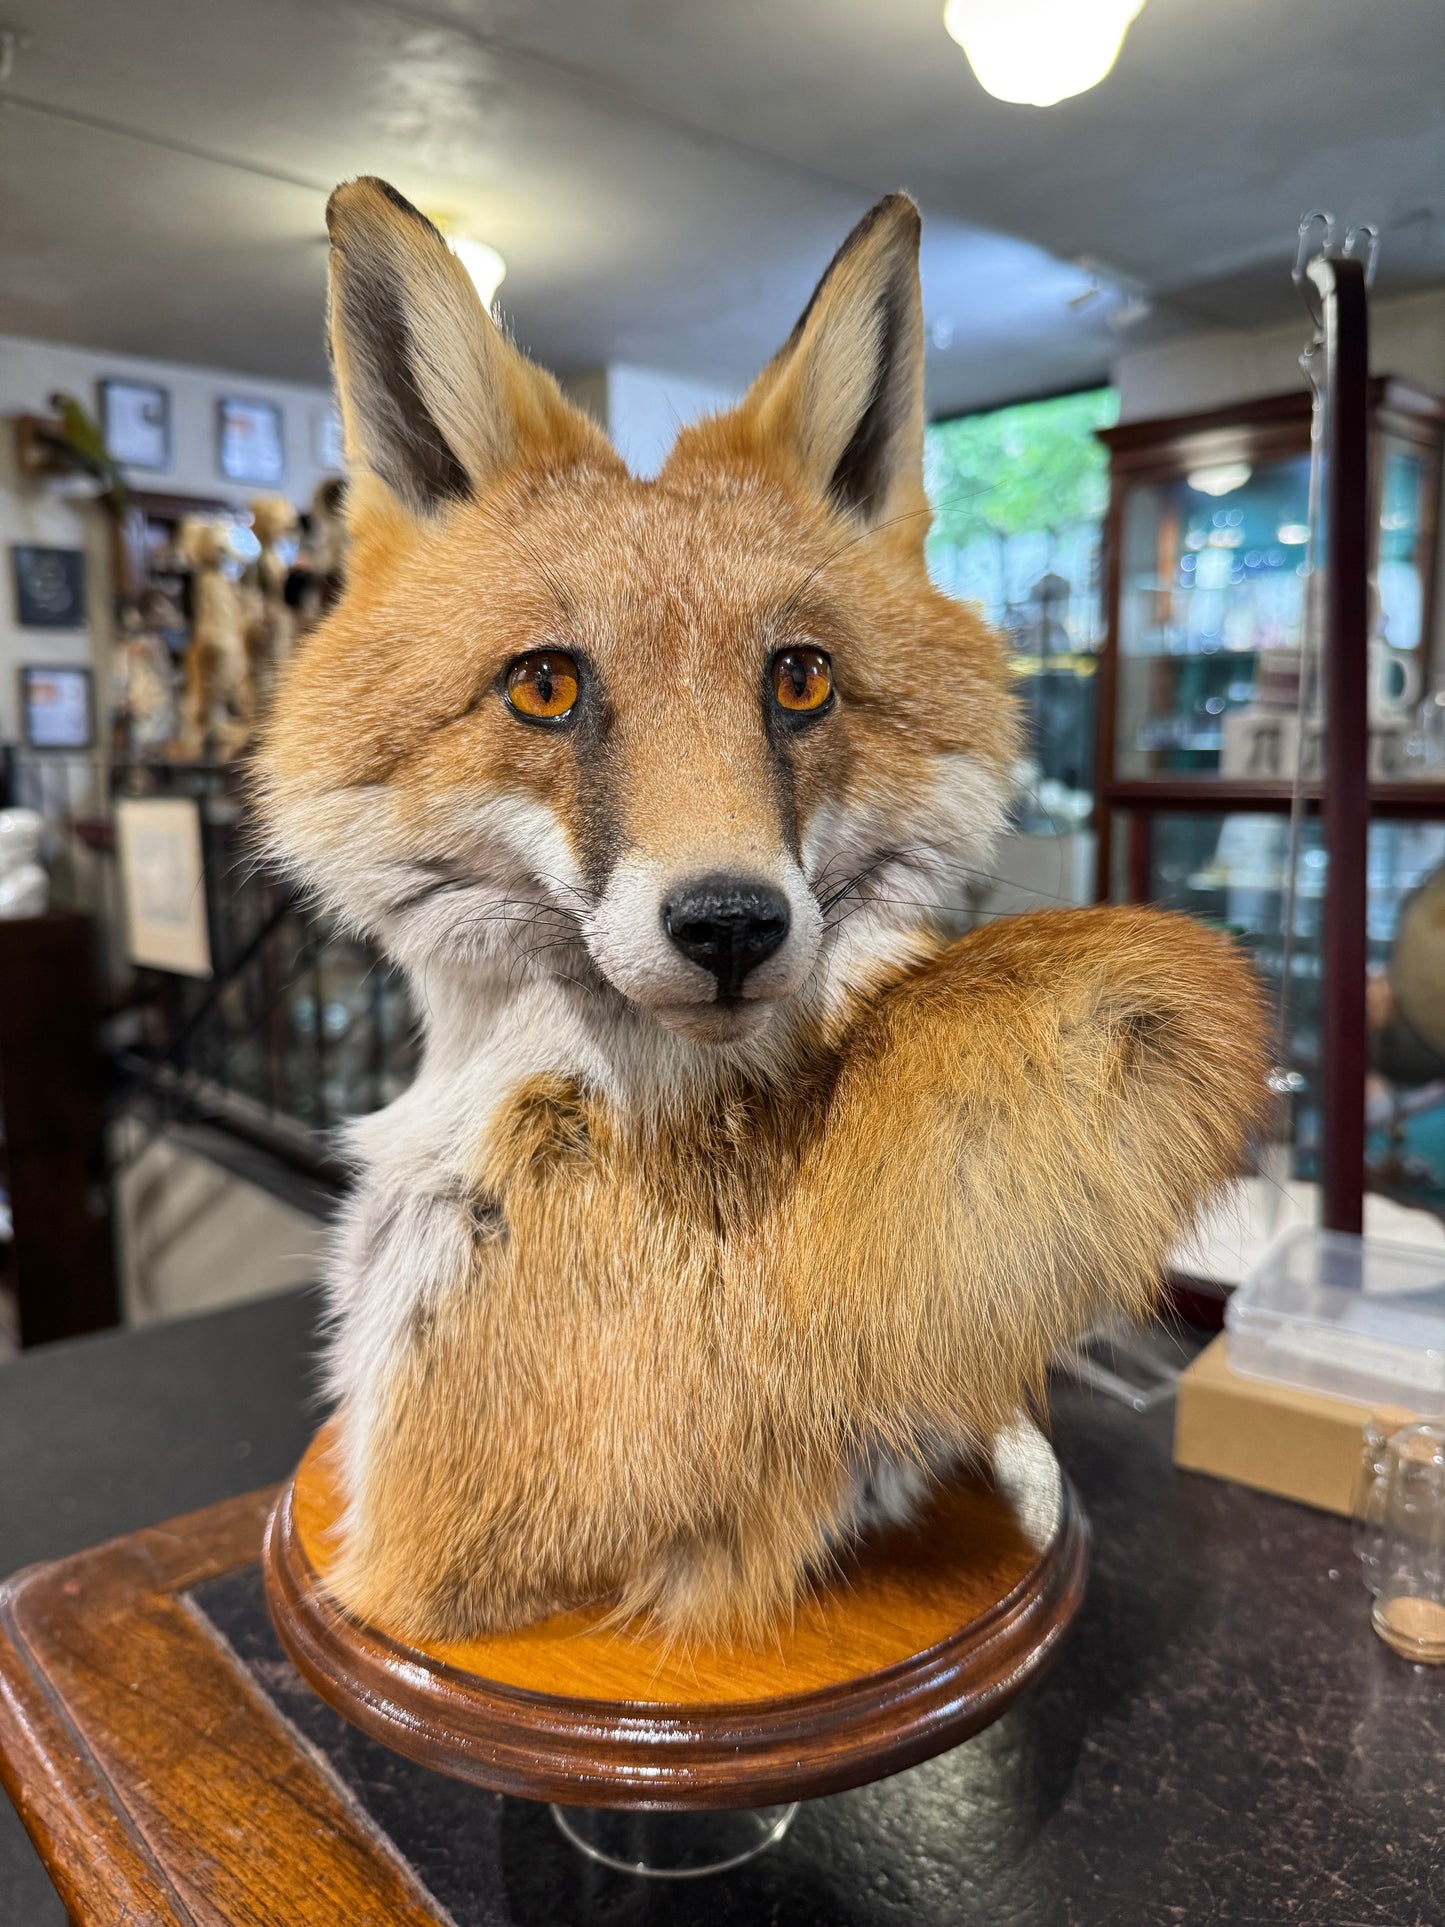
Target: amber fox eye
(542, 685)
(802, 680)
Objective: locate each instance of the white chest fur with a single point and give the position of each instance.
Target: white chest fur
(406, 1233)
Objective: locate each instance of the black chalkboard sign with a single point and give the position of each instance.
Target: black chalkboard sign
(49, 587)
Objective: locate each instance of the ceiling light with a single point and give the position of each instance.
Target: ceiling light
(1036, 52)
(485, 266)
(1223, 479)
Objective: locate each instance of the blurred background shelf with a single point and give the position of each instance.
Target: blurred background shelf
(1205, 585)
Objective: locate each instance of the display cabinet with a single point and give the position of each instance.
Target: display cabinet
(1200, 727)
(1205, 582)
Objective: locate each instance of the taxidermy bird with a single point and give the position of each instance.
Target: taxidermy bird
(82, 443)
(733, 1202)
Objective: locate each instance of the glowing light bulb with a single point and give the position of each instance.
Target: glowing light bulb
(485, 266)
(1222, 479)
(1036, 52)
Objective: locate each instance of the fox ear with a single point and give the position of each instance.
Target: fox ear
(436, 403)
(845, 394)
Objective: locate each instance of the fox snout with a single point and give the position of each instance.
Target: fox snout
(709, 955)
(727, 926)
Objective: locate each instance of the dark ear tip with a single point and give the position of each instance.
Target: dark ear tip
(901, 211)
(369, 194)
(893, 220)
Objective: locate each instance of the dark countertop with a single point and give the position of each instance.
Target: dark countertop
(101, 1435)
(1223, 1739)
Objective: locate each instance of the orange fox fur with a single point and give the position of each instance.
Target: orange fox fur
(650, 1294)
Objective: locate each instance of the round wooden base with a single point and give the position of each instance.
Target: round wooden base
(922, 1638)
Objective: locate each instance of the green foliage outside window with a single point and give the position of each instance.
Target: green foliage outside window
(1018, 497)
(1033, 467)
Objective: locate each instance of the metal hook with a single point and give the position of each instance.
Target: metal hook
(1360, 243)
(1370, 234)
(1304, 252)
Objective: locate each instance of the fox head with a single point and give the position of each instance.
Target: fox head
(708, 747)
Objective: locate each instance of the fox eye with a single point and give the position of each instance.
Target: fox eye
(542, 685)
(802, 680)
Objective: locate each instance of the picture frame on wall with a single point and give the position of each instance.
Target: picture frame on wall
(328, 441)
(49, 586)
(251, 441)
(162, 868)
(57, 706)
(135, 419)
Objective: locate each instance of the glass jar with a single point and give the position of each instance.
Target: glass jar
(1400, 1533)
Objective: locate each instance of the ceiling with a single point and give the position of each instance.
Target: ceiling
(666, 178)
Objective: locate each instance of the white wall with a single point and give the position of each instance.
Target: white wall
(1407, 337)
(646, 408)
(53, 514)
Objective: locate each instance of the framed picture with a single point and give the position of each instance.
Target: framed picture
(162, 872)
(135, 418)
(328, 443)
(57, 708)
(49, 587)
(252, 447)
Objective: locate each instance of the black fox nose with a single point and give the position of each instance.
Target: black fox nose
(727, 925)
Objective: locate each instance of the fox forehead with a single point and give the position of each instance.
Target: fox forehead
(674, 594)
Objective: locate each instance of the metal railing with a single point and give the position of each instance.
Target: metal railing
(299, 1027)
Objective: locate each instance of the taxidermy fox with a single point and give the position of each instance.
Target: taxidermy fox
(732, 1200)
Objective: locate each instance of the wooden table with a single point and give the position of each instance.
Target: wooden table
(1222, 1738)
(161, 1782)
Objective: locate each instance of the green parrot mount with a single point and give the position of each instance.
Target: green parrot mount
(76, 440)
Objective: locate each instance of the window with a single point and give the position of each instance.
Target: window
(1018, 497)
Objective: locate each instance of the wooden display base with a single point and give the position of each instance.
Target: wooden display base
(168, 1778)
(918, 1642)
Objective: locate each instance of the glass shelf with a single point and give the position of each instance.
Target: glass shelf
(1231, 869)
(1210, 617)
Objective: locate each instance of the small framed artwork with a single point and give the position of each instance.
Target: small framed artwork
(49, 587)
(328, 443)
(57, 708)
(135, 418)
(163, 879)
(252, 444)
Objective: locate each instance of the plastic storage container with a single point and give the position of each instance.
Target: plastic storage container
(1356, 1318)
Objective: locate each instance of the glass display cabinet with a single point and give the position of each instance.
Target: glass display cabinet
(1200, 735)
(1205, 547)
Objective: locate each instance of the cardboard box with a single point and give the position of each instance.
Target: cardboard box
(1298, 1445)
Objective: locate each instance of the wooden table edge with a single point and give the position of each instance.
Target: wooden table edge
(93, 1801)
(76, 1822)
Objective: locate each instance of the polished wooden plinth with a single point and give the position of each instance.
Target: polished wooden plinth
(919, 1641)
